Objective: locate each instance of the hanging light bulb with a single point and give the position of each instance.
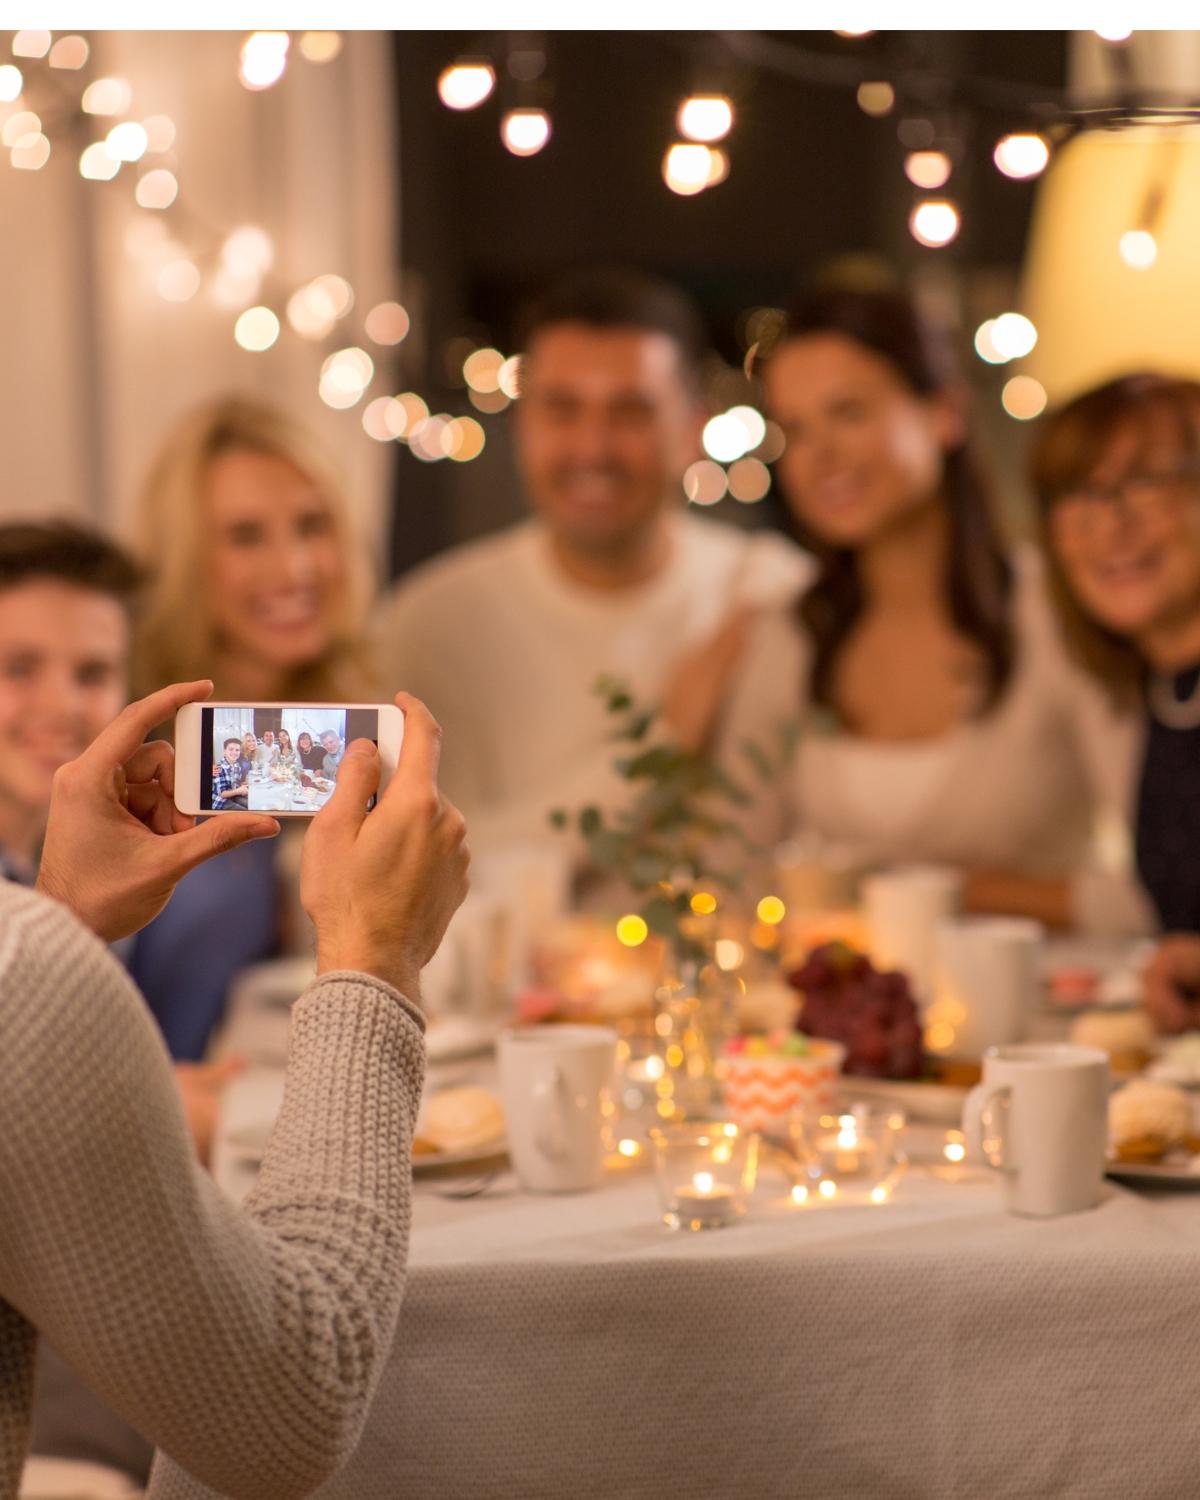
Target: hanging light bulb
(705, 117)
(933, 223)
(1021, 156)
(525, 131)
(466, 83)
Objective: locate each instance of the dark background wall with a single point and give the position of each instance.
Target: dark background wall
(813, 179)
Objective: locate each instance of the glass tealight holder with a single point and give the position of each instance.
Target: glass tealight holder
(841, 1144)
(705, 1172)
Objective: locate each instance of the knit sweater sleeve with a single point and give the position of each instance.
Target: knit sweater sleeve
(245, 1344)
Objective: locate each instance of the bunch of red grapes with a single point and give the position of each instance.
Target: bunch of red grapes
(847, 1000)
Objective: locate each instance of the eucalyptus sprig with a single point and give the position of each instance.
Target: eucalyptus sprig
(661, 842)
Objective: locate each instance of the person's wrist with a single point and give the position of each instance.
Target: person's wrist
(365, 958)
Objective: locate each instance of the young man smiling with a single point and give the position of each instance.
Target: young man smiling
(505, 638)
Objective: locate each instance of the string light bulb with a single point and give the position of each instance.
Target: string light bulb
(1021, 156)
(705, 117)
(934, 223)
(525, 131)
(466, 83)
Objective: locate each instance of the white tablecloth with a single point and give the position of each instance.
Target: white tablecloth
(931, 1347)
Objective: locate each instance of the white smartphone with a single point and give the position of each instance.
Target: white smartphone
(278, 758)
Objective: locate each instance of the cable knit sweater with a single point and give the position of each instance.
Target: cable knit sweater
(246, 1344)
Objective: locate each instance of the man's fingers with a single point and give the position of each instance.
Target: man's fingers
(153, 761)
(357, 783)
(123, 736)
(421, 748)
(217, 835)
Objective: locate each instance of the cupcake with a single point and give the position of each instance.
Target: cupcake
(1146, 1120)
(765, 1077)
(1126, 1035)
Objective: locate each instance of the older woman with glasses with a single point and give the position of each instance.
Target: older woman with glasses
(1117, 474)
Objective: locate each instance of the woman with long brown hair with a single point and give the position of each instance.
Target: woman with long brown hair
(942, 720)
(1117, 477)
(258, 581)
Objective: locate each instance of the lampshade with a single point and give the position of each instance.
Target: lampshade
(1097, 315)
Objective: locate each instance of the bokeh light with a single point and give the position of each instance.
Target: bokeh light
(127, 141)
(686, 168)
(157, 189)
(733, 433)
(1023, 398)
(772, 445)
(704, 903)
(107, 96)
(248, 251)
(263, 59)
(728, 954)
(31, 152)
(467, 439)
(927, 169)
(718, 166)
(488, 402)
(466, 84)
(384, 419)
(771, 910)
(1013, 336)
(749, 480)
(314, 309)
(387, 323)
(1139, 249)
(984, 347)
(179, 281)
(705, 482)
(1114, 30)
(24, 122)
(344, 377)
(96, 164)
(69, 52)
(876, 98)
(10, 83)
(1021, 156)
(320, 46)
(31, 44)
(257, 329)
(160, 132)
(481, 370)
(509, 377)
(427, 441)
(632, 930)
(705, 117)
(415, 413)
(525, 131)
(933, 224)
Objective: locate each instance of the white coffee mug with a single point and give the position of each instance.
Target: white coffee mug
(984, 984)
(1040, 1119)
(903, 908)
(554, 1080)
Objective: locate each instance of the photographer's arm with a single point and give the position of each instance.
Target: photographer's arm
(246, 1344)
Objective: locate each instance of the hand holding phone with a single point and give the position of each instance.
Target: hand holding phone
(382, 888)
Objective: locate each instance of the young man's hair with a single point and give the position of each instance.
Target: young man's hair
(232, 740)
(66, 553)
(610, 297)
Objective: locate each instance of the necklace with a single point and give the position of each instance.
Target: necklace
(1173, 712)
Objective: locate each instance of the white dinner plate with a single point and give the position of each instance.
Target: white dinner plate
(1179, 1169)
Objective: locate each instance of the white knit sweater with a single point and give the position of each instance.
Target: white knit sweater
(245, 1344)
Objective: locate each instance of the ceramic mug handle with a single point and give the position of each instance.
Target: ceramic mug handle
(549, 1126)
(984, 1103)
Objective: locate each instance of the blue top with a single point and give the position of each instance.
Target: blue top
(223, 916)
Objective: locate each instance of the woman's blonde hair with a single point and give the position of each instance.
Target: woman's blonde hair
(176, 638)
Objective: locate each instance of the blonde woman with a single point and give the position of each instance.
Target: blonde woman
(258, 581)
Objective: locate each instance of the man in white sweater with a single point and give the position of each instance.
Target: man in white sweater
(505, 638)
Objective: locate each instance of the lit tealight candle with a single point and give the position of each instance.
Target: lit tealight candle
(705, 1201)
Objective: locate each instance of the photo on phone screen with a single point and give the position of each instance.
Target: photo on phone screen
(276, 760)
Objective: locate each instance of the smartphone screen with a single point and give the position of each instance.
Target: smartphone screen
(276, 760)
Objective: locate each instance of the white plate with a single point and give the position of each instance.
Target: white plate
(939, 1103)
(1180, 1169)
(430, 1164)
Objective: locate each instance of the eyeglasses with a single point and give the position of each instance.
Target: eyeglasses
(1144, 494)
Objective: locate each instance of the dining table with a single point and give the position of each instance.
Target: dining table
(930, 1347)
